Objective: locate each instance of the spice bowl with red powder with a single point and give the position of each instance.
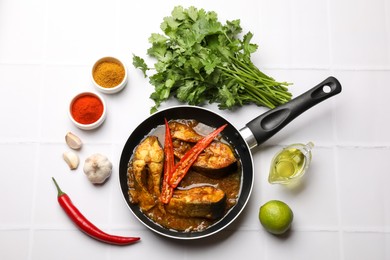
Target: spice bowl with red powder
(87, 110)
(109, 75)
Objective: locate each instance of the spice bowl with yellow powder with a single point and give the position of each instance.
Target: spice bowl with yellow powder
(109, 75)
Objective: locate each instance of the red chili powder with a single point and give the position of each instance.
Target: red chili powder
(87, 109)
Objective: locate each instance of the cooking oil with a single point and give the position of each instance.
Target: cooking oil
(290, 163)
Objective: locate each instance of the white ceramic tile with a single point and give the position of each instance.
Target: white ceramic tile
(121, 215)
(86, 34)
(123, 113)
(14, 244)
(362, 113)
(316, 196)
(61, 84)
(358, 33)
(226, 244)
(290, 38)
(366, 246)
(364, 193)
(155, 245)
(276, 33)
(22, 30)
(56, 244)
(20, 102)
(318, 245)
(309, 34)
(18, 170)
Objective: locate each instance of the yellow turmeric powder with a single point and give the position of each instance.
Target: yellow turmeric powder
(108, 74)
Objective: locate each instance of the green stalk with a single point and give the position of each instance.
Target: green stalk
(257, 73)
(59, 191)
(251, 89)
(274, 87)
(272, 94)
(237, 71)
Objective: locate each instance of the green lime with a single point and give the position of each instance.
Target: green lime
(276, 216)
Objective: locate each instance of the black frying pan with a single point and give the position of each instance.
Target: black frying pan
(253, 134)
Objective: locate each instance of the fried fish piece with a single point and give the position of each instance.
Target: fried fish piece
(215, 161)
(183, 132)
(200, 202)
(145, 172)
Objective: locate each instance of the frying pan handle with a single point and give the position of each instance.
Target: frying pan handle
(266, 125)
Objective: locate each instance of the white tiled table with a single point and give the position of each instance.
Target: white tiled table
(342, 208)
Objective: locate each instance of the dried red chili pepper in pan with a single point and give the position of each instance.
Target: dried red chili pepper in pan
(169, 164)
(85, 225)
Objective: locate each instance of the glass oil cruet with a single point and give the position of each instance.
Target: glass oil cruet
(290, 163)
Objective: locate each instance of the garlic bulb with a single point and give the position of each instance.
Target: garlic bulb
(98, 168)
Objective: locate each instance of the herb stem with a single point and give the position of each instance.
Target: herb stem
(200, 59)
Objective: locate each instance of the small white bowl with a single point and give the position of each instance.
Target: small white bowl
(109, 90)
(94, 124)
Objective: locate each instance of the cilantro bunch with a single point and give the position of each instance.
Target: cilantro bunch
(199, 59)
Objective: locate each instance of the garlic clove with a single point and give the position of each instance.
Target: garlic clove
(72, 159)
(73, 141)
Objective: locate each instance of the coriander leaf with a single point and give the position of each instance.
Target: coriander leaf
(157, 51)
(169, 26)
(157, 38)
(191, 93)
(178, 13)
(172, 23)
(210, 63)
(233, 28)
(139, 63)
(247, 45)
(188, 40)
(228, 96)
(195, 64)
(192, 13)
(203, 27)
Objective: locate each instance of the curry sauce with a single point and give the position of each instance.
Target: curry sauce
(201, 198)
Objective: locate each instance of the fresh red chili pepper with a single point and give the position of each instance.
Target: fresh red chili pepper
(190, 156)
(169, 164)
(85, 225)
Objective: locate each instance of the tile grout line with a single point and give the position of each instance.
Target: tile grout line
(265, 67)
(335, 148)
(110, 203)
(264, 241)
(338, 188)
(38, 148)
(108, 252)
(33, 201)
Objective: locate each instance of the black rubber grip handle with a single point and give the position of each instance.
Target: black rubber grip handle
(266, 125)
